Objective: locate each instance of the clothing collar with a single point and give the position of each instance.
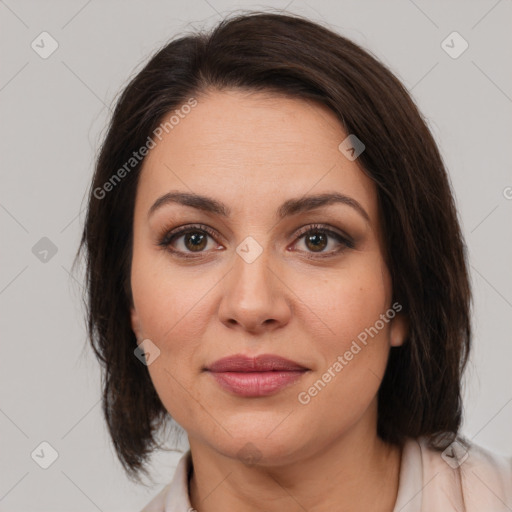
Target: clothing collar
(410, 484)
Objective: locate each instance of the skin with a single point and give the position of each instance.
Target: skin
(253, 151)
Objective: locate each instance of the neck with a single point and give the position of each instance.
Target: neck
(351, 474)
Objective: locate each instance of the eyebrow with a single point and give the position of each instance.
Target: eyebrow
(288, 208)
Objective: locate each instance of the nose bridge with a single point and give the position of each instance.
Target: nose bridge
(251, 275)
(252, 295)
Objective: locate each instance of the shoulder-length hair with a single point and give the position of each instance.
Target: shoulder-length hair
(420, 394)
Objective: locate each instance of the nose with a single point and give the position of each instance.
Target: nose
(255, 298)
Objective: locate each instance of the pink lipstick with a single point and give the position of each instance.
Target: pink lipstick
(255, 376)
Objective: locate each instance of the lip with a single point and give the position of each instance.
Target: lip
(261, 363)
(263, 375)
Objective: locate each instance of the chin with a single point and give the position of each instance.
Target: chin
(259, 450)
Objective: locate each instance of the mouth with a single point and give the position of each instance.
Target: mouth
(263, 375)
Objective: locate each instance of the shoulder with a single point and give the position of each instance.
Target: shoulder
(157, 504)
(467, 477)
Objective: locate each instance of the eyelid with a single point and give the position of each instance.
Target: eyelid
(326, 228)
(166, 235)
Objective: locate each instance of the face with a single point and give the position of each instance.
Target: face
(262, 270)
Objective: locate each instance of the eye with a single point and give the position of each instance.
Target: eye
(317, 237)
(185, 241)
(194, 240)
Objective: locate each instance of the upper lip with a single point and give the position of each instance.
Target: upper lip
(261, 363)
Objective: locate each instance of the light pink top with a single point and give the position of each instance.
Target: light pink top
(457, 480)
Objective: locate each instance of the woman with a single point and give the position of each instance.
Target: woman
(274, 261)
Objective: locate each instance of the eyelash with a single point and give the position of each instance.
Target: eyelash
(166, 240)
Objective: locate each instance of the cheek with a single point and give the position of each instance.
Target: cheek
(166, 298)
(354, 347)
(347, 302)
(170, 312)
(173, 307)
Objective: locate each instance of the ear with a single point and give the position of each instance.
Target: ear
(136, 328)
(399, 330)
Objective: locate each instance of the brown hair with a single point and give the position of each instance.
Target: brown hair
(420, 394)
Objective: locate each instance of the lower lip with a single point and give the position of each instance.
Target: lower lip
(253, 384)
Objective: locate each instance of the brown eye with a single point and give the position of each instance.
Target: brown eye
(317, 241)
(317, 238)
(186, 241)
(195, 241)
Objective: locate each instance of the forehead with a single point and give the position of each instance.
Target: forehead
(254, 148)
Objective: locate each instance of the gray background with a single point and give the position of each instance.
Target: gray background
(54, 112)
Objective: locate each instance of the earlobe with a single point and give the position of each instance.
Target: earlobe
(399, 330)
